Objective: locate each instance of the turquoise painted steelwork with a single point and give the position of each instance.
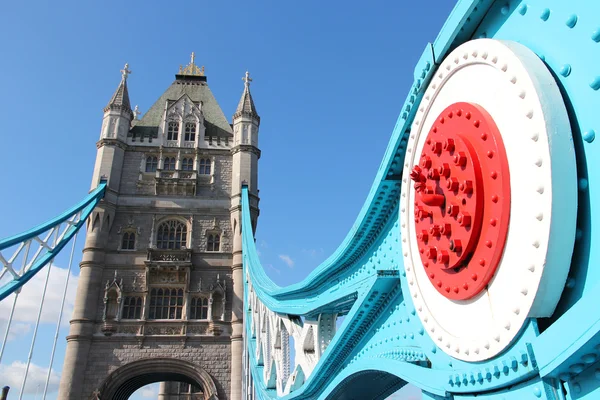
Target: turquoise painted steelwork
(382, 343)
(75, 217)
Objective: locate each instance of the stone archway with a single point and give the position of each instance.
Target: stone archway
(124, 381)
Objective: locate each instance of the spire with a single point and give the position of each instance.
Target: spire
(191, 69)
(246, 104)
(120, 99)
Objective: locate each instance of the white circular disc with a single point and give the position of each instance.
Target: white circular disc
(514, 86)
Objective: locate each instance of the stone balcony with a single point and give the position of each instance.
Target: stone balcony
(169, 257)
(178, 182)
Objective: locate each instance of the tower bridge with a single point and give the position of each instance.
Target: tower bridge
(469, 271)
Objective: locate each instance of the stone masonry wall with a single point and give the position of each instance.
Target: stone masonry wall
(107, 355)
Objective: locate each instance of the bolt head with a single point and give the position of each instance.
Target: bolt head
(426, 162)
(431, 253)
(434, 230)
(445, 170)
(443, 257)
(449, 145)
(423, 236)
(434, 174)
(452, 184)
(460, 159)
(446, 229)
(456, 245)
(466, 186)
(464, 219)
(452, 209)
(436, 147)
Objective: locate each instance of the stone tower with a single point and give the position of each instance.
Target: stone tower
(160, 291)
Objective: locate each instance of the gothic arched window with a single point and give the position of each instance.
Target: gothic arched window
(172, 130)
(169, 164)
(132, 308)
(128, 242)
(199, 308)
(165, 303)
(187, 164)
(204, 168)
(171, 235)
(214, 242)
(190, 132)
(151, 164)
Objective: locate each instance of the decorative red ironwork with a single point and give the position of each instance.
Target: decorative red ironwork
(462, 201)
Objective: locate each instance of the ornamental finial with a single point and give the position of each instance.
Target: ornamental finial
(125, 72)
(247, 79)
(192, 68)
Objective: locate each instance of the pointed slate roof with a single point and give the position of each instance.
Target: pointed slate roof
(120, 99)
(197, 89)
(246, 105)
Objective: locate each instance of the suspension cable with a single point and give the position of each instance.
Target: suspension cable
(37, 323)
(62, 306)
(10, 317)
(14, 305)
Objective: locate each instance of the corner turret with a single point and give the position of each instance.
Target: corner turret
(117, 113)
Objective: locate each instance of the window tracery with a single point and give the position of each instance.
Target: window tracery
(187, 164)
(171, 234)
(204, 166)
(190, 132)
(132, 307)
(151, 163)
(213, 242)
(172, 130)
(169, 164)
(165, 303)
(128, 242)
(199, 308)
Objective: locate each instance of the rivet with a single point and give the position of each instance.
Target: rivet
(544, 16)
(540, 189)
(476, 123)
(484, 136)
(583, 184)
(507, 325)
(524, 291)
(474, 277)
(596, 35)
(595, 84)
(572, 21)
(565, 376)
(535, 136)
(538, 162)
(466, 286)
(537, 392)
(488, 243)
(589, 136)
(513, 80)
(577, 387)
(482, 262)
(565, 70)
(504, 67)
(536, 244)
(495, 198)
(455, 289)
(490, 154)
(447, 289)
(589, 358)
(529, 114)
(577, 368)
(493, 221)
(522, 94)
(505, 9)
(539, 216)
(516, 310)
(523, 9)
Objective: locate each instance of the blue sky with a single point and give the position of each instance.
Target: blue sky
(329, 81)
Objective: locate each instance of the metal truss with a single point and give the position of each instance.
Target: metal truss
(297, 346)
(30, 251)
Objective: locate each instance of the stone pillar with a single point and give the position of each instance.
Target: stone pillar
(89, 290)
(237, 317)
